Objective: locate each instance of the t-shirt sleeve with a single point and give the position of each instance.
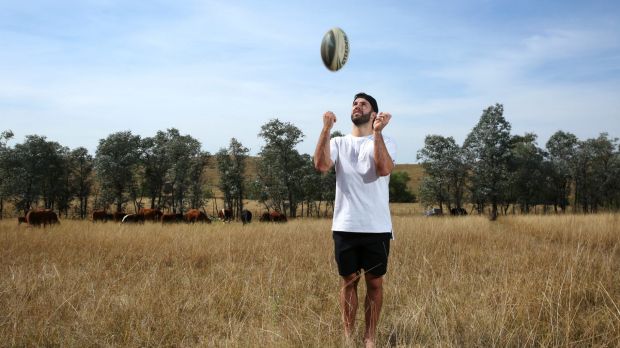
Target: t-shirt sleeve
(333, 149)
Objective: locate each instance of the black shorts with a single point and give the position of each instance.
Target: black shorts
(355, 251)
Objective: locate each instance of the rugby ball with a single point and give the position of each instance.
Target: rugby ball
(335, 49)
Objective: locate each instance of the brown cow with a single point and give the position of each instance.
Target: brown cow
(225, 215)
(151, 214)
(41, 217)
(171, 218)
(21, 219)
(264, 217)
(273, 216)
(118, 216)
(195, 215)
(133, 218)
(277, 217)
(101, 215)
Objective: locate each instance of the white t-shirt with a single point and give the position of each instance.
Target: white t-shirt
(362, 197)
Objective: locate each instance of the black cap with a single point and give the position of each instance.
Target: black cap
(370, 99)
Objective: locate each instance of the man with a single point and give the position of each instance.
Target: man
(362, 226)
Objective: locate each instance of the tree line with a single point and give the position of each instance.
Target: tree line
(505, 172)
(165, 171)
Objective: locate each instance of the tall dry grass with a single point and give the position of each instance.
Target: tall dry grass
(533, 281)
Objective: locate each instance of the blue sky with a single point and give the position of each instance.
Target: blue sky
(77, 71)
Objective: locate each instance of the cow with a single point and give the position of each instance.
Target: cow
(277, 217)
(118, 216)
(273, 216)
(171, 218)
(264, 217)
(41, 217)
(150, 214)
(458, 211)
(195, 215)
(21, 219)
(434, 212)
(133, 218)
(246, 216)
(225, 215)
(101, 215)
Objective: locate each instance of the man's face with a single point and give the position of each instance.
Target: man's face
(361, 112)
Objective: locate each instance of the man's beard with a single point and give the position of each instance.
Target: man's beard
(361, 120)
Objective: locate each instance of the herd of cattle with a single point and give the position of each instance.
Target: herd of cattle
(44, 217)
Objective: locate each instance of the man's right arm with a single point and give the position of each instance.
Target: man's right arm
(322, 157)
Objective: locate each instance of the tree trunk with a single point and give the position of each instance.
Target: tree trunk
(494, 211)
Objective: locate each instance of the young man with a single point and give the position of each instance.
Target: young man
(362, 226)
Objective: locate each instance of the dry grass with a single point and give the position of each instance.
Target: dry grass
(525, 280)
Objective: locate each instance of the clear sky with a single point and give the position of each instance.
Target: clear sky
(77, 71)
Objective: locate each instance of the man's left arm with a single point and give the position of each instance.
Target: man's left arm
(383, 161)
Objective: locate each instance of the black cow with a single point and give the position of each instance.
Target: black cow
(458, 211)
(246, 216)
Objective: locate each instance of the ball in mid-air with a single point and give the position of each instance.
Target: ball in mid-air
(335, 49)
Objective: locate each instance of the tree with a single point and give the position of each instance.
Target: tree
(187, 163)
(231, 165)
(596, 182)
(116, 162)
(5, 169)
(444, 164)
(280, 165)
(527, 176)
(80, 173)
(488, 152)
(311, 187)
(38, 168)
(156, 162)
(197, 194)
(399, 192)
(562, 148)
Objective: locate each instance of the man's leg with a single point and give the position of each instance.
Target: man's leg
(372, 305)
(348, 302)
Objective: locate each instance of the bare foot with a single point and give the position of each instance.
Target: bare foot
(369, 343)
(349, 341)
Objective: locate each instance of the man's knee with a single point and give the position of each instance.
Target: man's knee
(373, 283)
(350, 281)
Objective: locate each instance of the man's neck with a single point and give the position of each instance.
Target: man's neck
(362, 130)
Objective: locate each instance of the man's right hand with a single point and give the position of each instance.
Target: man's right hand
(328, 120)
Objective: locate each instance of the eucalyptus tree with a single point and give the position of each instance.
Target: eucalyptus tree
(527, 173)
(444, 164)
(81, 165)
(187, 164)
(596, 174)
(116, 163)
(280, 166)
(5, 168)
(399, 192)
(311, 182)
(231, 164)
(488, 151)
(562, 150)
(156, 163)
(38, 173)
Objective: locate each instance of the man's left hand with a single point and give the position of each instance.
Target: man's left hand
(382, 119)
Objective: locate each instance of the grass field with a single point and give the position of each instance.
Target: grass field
(521, 281)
